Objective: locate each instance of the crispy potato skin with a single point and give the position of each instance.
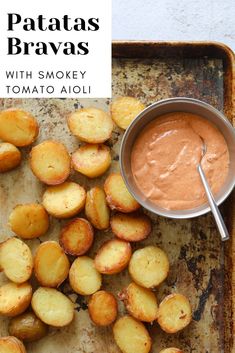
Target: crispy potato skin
(29, 221)
(27, 327)
(14, 298)
(10, 157)
(90, 125)
(171, 350)
(131, 335)
(113, 256)
(77, 237)
(130, 227)
(51, 265)
(11, 344)
(174, 313)
(96, 208)
(102, 308)
(117, 195)
(50, 162)
(18, 127)
(124, 110)
(91, 160)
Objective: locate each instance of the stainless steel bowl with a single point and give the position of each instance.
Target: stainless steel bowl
(167, 106)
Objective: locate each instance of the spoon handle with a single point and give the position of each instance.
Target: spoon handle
(214, 208)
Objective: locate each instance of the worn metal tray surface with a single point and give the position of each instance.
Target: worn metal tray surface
(201, 266)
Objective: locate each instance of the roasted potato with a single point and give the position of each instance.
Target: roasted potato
(50, 162)
(149, 266)
(102, 308)
(140, 302)
(117, 195)
(11, 344)
(174, 313)
(51, 265)
(10, 157)
(77, 237)
(90, 125)
(91, 160)
(83, 276)
(124, 110)
(27, 327)
(29, 220)
(18, 127)
(131, 335)
(96, 208)
(171, 350)
(130, 227)
(52, 307)
(16, 260)
(113, 256)
(65, 200)
(14, 298)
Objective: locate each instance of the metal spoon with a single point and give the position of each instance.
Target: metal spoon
(214, 208)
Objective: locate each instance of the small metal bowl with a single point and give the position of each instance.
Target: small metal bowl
(167, 106)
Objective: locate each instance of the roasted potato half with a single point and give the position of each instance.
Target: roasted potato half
(91, 160)
(16, 260)
(27, 327)
(65, 200)
(52, 307)
(83, 276)
(50, 162)
(18, 127)
(11, 344)
(10, 157)
(77, 237)
(51, 265)
(102, 308)
(113, 256)
(29, 220)
(96, 208)
(131, 335)
(171, 350)
(174, 313)
(130, 227)
(14, 298)
(140, 302)
(149, 266)
(124, 110)
(90, 125)
(117, 195)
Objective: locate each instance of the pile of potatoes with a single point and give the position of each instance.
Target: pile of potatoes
(32, 312)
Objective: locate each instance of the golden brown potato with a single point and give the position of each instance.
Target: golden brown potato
(51, 265)
(174, 313)
(171, 350)
(92, 160)
(117, 195)
(124, 110)
(77, 237)
(113, 256)
(83, 277)
(18, 127)
(131, 335)
(29, 220)
(149, 266)
(52, 307)
(91, 125)
(10, 157)
(65, 200)
(11, 344)
(27, 327)
(102, 308)
(140, 302)
(96, 208)
(14, 298)
(50, 162)
(16, 260)
(130, 227)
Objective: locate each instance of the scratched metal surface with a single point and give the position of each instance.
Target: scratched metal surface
(193, 246)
